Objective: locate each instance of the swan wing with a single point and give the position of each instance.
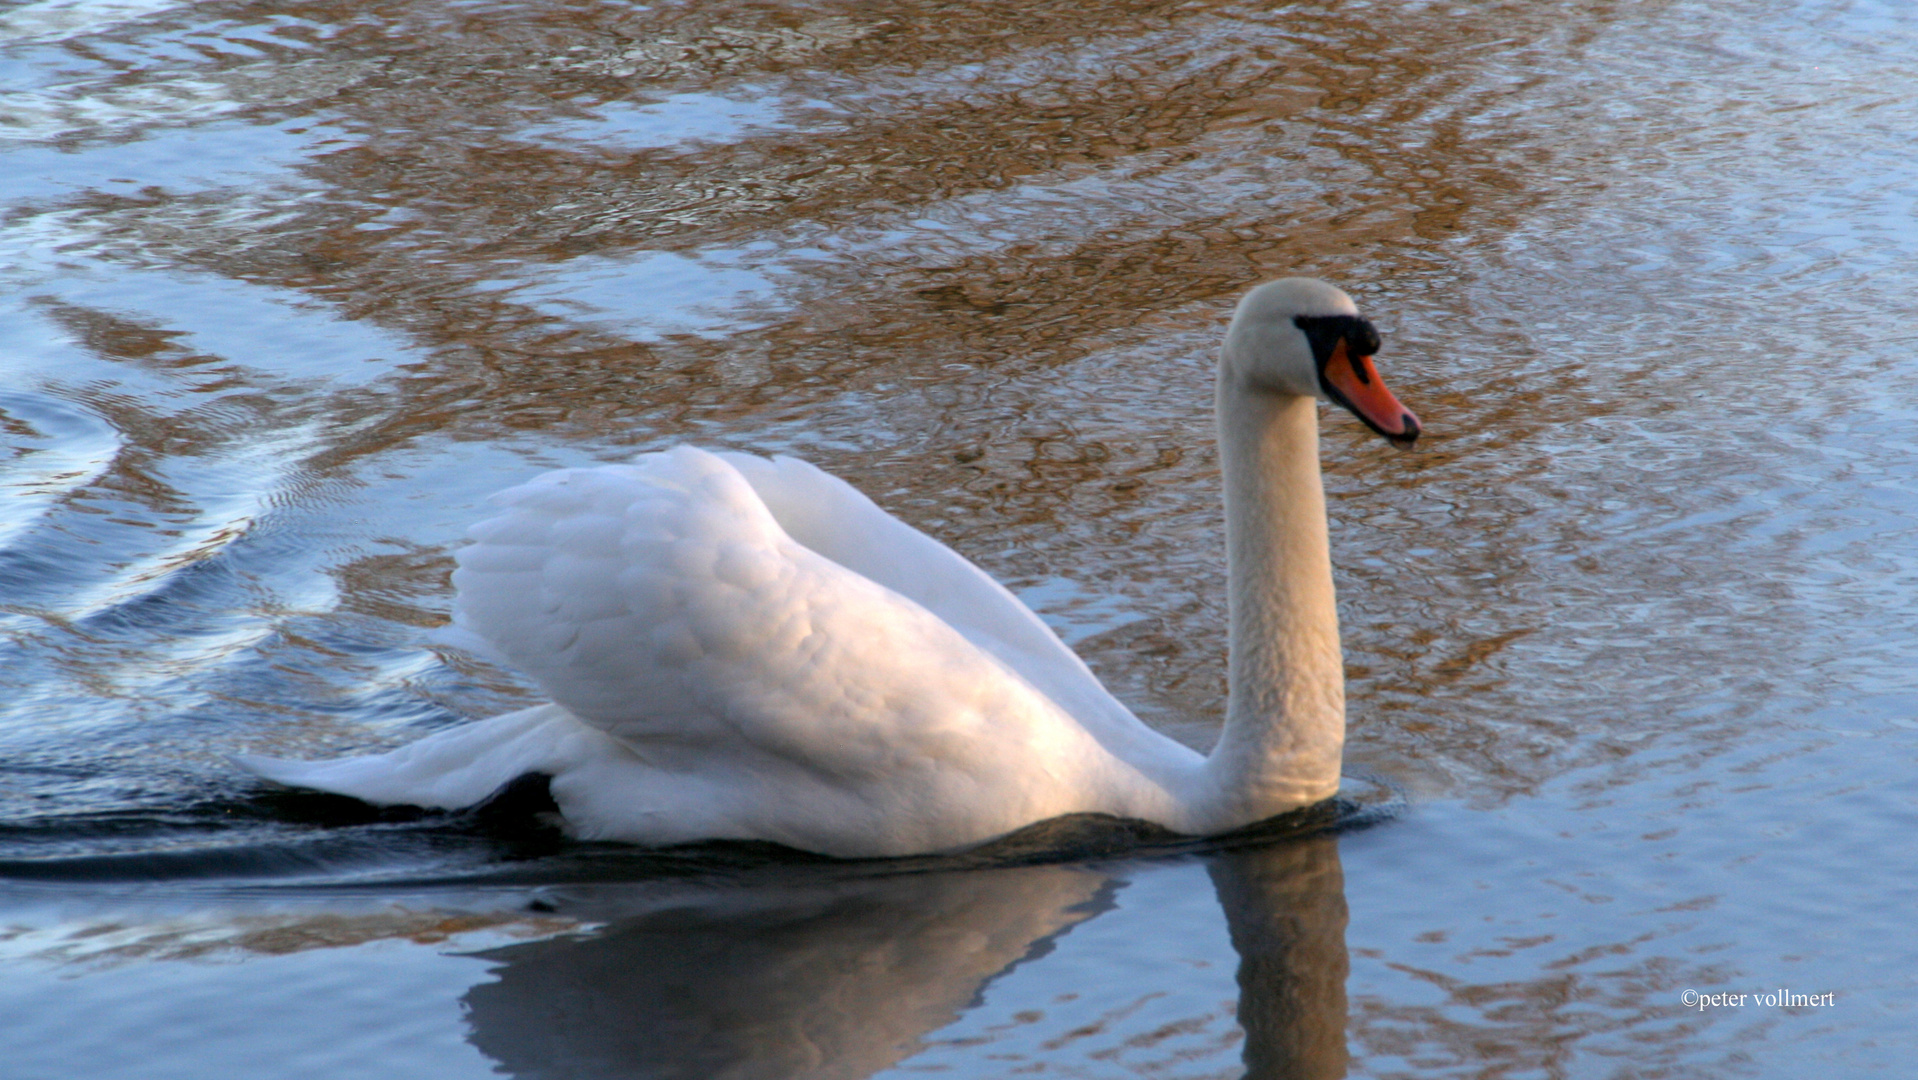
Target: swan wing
(831, 517)
(662, 602)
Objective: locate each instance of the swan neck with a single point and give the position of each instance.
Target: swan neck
(1285, 716)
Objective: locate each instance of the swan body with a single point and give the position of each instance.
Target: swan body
(744, 648)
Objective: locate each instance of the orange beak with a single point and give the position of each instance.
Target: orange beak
(1354, 383)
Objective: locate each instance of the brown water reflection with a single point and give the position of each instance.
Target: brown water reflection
(985, 251)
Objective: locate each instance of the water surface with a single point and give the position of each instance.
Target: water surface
(1630, 638)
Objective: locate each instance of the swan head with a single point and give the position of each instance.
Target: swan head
(1300, 336)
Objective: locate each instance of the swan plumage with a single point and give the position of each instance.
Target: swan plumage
(738, 647)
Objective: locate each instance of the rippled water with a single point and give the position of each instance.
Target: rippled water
(290, 288)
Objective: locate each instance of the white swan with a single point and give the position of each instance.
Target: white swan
(743, 648)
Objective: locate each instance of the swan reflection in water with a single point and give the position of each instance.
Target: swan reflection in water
(844, 978)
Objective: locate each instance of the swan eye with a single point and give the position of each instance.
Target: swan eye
(1362, 338)
(1326, 331)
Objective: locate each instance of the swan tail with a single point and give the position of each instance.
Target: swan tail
(448, 770)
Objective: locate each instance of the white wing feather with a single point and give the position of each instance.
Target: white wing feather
(833, 518)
